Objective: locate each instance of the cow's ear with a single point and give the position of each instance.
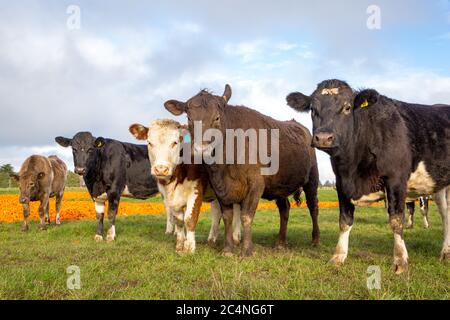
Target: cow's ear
(175, 107)
(366, 98)
(298, 101)
(14, 176)
(139, 131)
(227, 93)
(41, 175)
(99, 142)
(63, 142)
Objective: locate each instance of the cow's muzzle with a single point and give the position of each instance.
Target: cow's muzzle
(323, 140)
(80, 171)
(24, 200)
(161, 171)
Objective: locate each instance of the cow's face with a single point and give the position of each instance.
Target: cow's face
(165, 141)
(331, 112)
(206, 111)
(29, 184)
(84, 149)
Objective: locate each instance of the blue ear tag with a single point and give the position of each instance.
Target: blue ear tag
(187, 138)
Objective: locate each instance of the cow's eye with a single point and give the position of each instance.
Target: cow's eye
(174, 144)
(346, 108)
(217, 119)
(150, 145)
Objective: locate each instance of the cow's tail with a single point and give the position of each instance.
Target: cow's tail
(297, 197)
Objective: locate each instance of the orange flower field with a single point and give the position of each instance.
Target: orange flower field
(79, 206)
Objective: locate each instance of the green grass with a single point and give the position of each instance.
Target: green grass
(142, 263)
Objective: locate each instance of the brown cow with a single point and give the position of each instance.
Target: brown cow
(244, 182)
(41, 178)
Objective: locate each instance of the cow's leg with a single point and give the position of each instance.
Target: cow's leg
(410, 206)
(216, 215)
(59, 197)
(396, 195)
(424, 211)
(26, 215)
(442, 199)
(248, 210)
(47, 214)
(42, 212)
(283, 208)
(193, 206)
(170, 226)
(312, 202)
(346, 211)
(179, 229)
(113, 206)
(227, 213)
(236, 224)
(100, 212)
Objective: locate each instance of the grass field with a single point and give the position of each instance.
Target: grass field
(142, 263)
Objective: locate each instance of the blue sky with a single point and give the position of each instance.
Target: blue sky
(129, 57)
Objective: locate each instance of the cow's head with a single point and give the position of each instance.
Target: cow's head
(206, 109)
(165, 142)
(84, 148)
(332, 113)
(29, 185)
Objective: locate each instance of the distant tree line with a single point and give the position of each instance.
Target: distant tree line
(73, 180)
(327, 184)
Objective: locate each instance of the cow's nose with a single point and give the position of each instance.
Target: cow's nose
(323, 139)
(23, 200)
(161, 170)
(80, 170)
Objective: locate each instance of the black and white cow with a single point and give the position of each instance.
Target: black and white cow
(377, 143)
(111, 169)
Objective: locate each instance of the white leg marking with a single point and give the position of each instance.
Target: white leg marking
(424, 211)
(179, 230)
(111, 236)
(189, 243)
(342, 246)
(216, 215)
(400, 254)
(410, 224)
(58, 219)
(236, 223)
(442, 199)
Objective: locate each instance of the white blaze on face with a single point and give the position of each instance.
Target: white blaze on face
(165, 143)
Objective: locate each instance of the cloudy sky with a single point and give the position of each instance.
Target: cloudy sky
(128, 57)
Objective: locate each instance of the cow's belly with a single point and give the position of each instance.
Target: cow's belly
(368, 199)
(420, 182)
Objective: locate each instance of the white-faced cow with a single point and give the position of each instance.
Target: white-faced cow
(111, 169)
(377, 143)
(184, 186)
(243, 182)
(41, 178)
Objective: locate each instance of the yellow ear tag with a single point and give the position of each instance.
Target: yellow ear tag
(364, 104)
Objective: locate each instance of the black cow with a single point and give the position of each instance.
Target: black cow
(110, 169)
(377, 143)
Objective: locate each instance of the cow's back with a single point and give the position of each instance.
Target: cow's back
(296, 156)
(59, 169)
(139, 181)
(429, 133)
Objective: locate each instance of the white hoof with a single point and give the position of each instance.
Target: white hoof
(338, 259)
(98, 238)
